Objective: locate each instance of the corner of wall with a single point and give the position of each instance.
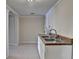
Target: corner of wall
(10, 9)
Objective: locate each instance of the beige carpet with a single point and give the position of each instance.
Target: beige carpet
(23, 52)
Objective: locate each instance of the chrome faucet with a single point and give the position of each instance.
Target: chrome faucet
(50, 33)
(57, 36)
(54, 31)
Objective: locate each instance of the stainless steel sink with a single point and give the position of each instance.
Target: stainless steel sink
(47, 38)
(50, 39)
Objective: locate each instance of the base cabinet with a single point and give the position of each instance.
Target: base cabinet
(41, 49)
(58, 52)
(54, 51)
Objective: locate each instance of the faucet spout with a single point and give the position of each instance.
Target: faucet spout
(54, 34)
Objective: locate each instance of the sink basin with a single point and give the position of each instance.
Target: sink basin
(47, 38)
(52, 39)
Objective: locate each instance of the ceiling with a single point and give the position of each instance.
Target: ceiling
(24, 8)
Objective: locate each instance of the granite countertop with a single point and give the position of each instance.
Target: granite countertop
(65, 40)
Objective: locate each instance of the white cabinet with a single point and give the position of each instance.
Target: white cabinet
(41, 48)
(54, 51)
(58, 52)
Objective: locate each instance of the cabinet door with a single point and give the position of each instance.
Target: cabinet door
(41, 48)
(58, 52)
(67, 52)
(39, 45)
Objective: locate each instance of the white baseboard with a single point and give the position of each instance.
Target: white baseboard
(24, 43)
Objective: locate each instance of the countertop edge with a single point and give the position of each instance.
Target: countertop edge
(65, 38)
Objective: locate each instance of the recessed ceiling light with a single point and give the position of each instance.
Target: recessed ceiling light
(30, 0)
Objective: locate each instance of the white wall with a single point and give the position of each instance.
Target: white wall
(61, 17)
(30, 27)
